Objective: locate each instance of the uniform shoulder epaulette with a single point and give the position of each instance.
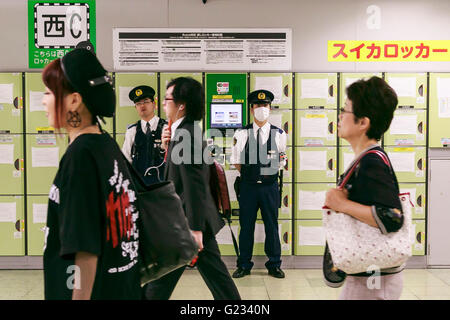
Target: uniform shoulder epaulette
(131, 125)
(280, 131)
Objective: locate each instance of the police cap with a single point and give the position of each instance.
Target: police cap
(141, 92)
(260, 96)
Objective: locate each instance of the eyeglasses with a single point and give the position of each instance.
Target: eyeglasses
(342, 110)
(141, 103)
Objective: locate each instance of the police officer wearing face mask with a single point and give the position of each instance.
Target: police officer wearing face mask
(259, 152)
(142, 145)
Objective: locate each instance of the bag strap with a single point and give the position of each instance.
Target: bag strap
(350, 172)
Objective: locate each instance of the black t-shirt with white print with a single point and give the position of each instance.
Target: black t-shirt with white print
(92, 209)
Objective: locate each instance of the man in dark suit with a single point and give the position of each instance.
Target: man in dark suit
(186, 167)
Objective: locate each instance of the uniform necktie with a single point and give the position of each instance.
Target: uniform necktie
(258, 140)
(148, 131)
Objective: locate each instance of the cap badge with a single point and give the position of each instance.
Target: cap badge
(138, 92)
(261, 96)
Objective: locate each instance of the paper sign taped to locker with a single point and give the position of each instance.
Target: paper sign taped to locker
(276, 119)
(44, 157)
(403, 87)
(36, 101)
(39, 213)
(311, 236)
(124, 100)
(403, 124)
(6, 153)
(314, 88)
(311, 200)
(224, 235)
(313, 127)
(402, 161)
(272, 84)
(313, 160)
(444, 108)
(7, 93)
(443, 87)
(8, 212)
(412, 194)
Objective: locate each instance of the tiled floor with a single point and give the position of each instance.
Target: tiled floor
(300, 284)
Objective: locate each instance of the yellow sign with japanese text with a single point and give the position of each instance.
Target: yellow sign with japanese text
(386, 51)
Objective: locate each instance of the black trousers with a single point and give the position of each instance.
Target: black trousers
(211, 268)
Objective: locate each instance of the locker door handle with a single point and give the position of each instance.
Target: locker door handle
(16, 102)
(17, 225)
(420, 127)
(286, 167)
(286, 127)
(420, 90)
(419, 164)
(419, 201)
(330, 127)
(331, 90)
(286, 201)
(419, 237)
(17, 164)
(286, 90)
(330, 164)
(285, 237)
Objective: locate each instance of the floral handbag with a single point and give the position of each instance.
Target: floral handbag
(356, 247)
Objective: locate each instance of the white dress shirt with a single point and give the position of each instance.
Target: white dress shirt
(241, 136)
(130, 135)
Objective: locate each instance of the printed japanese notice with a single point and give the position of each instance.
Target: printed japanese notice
(202, 49)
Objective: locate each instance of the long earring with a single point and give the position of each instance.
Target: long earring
(73, 119)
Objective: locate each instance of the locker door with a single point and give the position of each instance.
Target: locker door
(408, 127)
(280, 84)
(315, 127)
(36, 120)
(285, 232)
(12, 226)
(44, 152)
(11, 164)
(225, 239)
(281, 118)
(126, 113)
(165, 78)
(315, 164)
(310, 198)
(316, 90)
(439, 110)
(418, 198)
(287, 172)
(309, 238)
(409, 163)
(36, 223)
(11, 103)
(411, 88)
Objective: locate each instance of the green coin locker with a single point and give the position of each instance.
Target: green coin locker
(36, 224)
(309, 238)
(419, 238)
(309, 199)
(411, 88)
(11, 164)
(408, 127)
(439, 116)
(12, 226)
(226, 88)
(346, 156)
(165, 78)
(315, 164)
(315, 127)
(44, 152)
(126, 113)
(280, 84)
(285, 232)
(281, 118)
(418, 198)
(288, 172)
(225, 239)
(316, 91)
(11, 103)
(409, 163)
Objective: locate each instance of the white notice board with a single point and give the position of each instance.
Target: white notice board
(162, 49)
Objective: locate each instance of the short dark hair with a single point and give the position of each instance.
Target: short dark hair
(190, 92)
(376, 100)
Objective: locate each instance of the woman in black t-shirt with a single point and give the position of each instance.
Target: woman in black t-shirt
(371, 194)
(91, 249)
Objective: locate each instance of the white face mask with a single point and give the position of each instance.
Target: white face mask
(262, 113)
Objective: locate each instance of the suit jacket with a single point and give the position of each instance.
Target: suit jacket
(190, 175)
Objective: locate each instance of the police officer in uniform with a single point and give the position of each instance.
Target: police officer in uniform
(142, 145)
(259, 152)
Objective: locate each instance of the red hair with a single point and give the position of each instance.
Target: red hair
(54, 79)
